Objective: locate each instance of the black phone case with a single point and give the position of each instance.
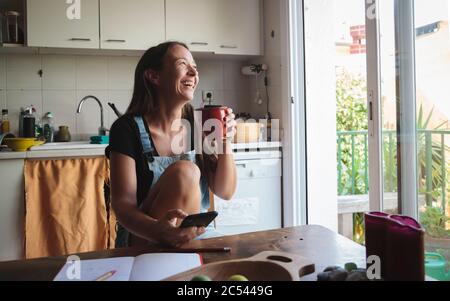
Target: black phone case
(199, 220)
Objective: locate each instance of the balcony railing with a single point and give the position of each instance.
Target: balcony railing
(353, 166)
(353, 172)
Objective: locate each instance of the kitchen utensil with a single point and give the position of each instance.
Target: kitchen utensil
(114, 108)
(265, 266)
(22, 144)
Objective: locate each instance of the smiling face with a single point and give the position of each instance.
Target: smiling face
(178, 78)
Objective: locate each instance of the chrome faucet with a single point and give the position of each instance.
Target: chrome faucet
(101, 130)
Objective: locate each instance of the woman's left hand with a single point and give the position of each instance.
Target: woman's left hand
(230, 125)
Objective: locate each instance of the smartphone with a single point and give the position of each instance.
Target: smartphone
(199, 220)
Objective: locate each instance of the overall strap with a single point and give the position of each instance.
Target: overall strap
(146, 142)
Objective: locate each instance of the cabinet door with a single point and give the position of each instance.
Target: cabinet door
(56, 23)
(241, 27)
(131, 24)
(12, 210)
(194, 22)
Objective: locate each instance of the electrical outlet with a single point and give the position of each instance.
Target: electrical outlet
(208, 96)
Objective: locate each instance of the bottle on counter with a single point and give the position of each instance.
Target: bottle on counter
(5, 122)
(29, 124)
(48, 127)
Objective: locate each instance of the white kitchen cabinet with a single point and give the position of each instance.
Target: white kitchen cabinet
(194, 22)
(225, 27)
(56, 23)
(241, 27)
(256, 205)
(132, 24)
(12, 209)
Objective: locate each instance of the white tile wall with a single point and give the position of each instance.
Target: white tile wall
(59, 72)
(121, 98)
(62, 103)
(15, 99)
(92, 73)
(68, 78)
(121, 72)
(22, 72)
(211, 75)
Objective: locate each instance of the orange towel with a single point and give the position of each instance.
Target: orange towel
(66, 210)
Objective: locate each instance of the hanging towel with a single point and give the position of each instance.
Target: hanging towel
(66, 210)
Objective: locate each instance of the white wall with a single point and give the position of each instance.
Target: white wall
(321, 113)
(272, 57)
(68, 78)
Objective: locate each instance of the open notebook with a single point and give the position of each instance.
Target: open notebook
(147, 267)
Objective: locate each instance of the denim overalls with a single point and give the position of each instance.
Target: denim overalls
(157, 166)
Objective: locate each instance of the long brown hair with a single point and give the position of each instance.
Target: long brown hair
(145, 101)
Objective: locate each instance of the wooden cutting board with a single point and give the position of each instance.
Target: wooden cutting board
(265, 266)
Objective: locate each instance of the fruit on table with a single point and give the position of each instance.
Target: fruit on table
(201, 278)
(237, 278)
(351, 266)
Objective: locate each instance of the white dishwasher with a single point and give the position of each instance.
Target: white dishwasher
(257, 203)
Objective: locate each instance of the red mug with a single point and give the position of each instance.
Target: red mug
(216, 113)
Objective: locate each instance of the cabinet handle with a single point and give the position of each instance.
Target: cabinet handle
(229, 46)
(199, 43)
(243, 165)
(117, 41)
(80, 39)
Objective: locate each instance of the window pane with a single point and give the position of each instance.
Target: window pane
(388, 103)
(341, 86)
(433, 107)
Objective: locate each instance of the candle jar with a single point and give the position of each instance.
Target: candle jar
(405, 249)
(375, 229)
(399, 243)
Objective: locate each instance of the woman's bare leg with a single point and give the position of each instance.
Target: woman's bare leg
(177, 188)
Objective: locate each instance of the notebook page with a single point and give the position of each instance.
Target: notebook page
(158, 266)
(90, 270)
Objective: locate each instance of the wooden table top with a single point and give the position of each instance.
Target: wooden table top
(316, 243)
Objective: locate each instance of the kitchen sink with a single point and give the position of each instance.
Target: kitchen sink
(67, 145)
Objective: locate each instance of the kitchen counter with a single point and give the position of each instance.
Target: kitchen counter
(84, 149)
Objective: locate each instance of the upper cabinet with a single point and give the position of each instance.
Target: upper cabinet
(219, 26)
(131, 24)
(241, 25)
(194, 22)
(61, 23)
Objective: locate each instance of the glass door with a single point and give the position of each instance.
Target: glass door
(432, 60)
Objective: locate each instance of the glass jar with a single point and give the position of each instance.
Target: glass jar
(12, 27)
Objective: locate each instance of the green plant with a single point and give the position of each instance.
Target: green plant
(433, 220)
(436, 152)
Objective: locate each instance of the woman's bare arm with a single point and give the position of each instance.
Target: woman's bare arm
(123, 198)
(224, 180)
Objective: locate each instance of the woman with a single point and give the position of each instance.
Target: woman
(153, 189)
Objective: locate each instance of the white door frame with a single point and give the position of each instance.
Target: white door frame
(294, 113)
(374, 106)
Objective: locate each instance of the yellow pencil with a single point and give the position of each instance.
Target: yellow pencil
(105, 276)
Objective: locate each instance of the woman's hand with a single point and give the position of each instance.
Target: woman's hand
(170, 234)
(230, 125)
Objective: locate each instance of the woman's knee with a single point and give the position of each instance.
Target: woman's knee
(184, 171)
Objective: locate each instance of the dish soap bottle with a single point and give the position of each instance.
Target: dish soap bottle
(49, 128)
